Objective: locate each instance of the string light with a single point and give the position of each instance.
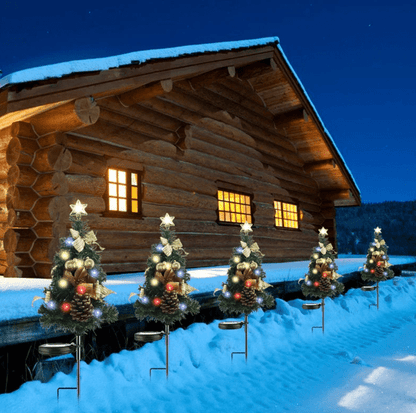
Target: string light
(309, 283)
(169, 287)
(259, 300)
(316, 256)
(183, 306)
(66, 307)
(97, 313)
(227, 294)
(180, 273)
(144, 300)
(257, 272)
(239, 250)
(51, 305)
(315, 271)
(236, 259)
(318, 249)
(81, 289)
(63, 283)
(65, 255)
(157, 301)
(248, 283)
(333, 287)
(154, 282)
(237, 296)
(235, 279)
(159, 247)
(316, 284)
(69, 242)
(94, 273)
(155, 258)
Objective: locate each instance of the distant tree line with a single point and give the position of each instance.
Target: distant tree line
(355, 227)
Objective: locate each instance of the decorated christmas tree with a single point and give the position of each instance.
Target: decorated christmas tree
(322, 278)
(244, 290)
(74, 301)
(377, 265)
(164, 295)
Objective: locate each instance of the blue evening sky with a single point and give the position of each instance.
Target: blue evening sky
(356, 60)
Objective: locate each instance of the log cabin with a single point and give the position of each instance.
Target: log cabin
(212, 134)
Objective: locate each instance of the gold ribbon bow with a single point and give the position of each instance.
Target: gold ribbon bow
(324, 248)
(168, 248)
(249, 249)
(379, 243)
(79, 242)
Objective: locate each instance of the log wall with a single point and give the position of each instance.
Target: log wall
(186, 143)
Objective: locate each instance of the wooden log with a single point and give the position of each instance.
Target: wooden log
(24, 259)
(124, 255)
(40, 250)
(21, 175)
(200, 81)
(13, 151)
(123, 268)
(179, 212)
(49, 184)
(84, 163)
(175, 179)
(27, 198)
(23, 129)
(23, 219)
(116, 240)
(10, 240)
(325, 165)
(44, 229)
(25, 239)
(52, 158)
(4, 167)
(142, 128)
(13, 272)
(67, 117)
(55, 138)
(12, 197)
(27, 272)
(3, 191)
(146, 92)
(164, 195)
(5, 214)
(50, 208)
(85, 184)
(43, 270)
(5, 137)
(257, 69)
(281, 120)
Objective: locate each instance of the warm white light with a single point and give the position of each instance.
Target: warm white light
(79, 263)
(371, 261)
(237, 259)
(156, 258)
(235, 279)
(154, 282)
(316, 256)
(315, 271)
(168, 265)
(63, 283)
(64, 255)
(371, 249)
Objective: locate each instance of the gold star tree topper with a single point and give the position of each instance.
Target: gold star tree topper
(167, 221)
(246, 227)
(323, 232)
(78, 209)
(377, 230)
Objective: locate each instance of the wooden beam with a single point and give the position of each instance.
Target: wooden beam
(146, 92)
(73, 115)
(335, 195)
(256, 69)
(213, 76)
(287, 117)
(324, 165)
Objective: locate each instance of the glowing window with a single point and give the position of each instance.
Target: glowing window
(234, 207)
(286, 215)
(123, 191)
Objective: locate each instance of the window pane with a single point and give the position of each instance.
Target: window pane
(134, 179)
(221, 205)
(220, 195)
(237, 208)
(122, 191)
(222, 217)
(233, 217)
(134, 192)
(121, 177)
(112, 175)
(238, 218)
(226, 196)
(226, 206)
(227, 216)
(113, 204)
(247, 200)
(122, 205)
(237, 198)
(243, 209)
(231, 197)
(134, 206)
(112, 189)
(249, 219)
(232, 206)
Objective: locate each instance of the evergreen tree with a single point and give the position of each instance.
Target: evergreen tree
(164, 296)
(321, 280)
(74, 301)
(244, 290)
(377, 265)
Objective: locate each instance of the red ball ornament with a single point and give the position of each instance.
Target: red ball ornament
(248, 283)
(65, 307)
(157, 301)
(379, 263)
(169, 287)
(237, 296)
(372, 271)
(81, 289)
(316, 284)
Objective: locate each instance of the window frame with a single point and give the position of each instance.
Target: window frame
(283, 226)
(128, 213)
(238, 192)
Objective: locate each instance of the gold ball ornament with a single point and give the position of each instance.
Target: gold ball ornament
(168, 265)
(161, 266)
(79, 263)
(89, 263)
(175, 265)
(253, 265)
(71, 265)
(241, 266)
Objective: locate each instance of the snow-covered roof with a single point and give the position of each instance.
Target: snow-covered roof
(59, 70)
(90, 65)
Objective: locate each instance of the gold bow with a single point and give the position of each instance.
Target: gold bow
(176, 245)
(379, 243)
(249, 249)
(79, 242)
(323, 260)
(324, 249)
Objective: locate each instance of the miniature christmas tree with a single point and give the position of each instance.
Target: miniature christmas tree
(74, 301)
(377, 265)
(164, 296)
(322, 279)
(244, 290)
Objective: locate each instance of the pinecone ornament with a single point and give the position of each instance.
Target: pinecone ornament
(81, 307)
(325, 284)
(170, 302)
(248, 297)
(379, 272)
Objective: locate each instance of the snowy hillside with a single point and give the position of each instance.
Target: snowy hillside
(365, 362)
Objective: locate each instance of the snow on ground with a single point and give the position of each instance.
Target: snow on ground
(365, 362)
(17, 293)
